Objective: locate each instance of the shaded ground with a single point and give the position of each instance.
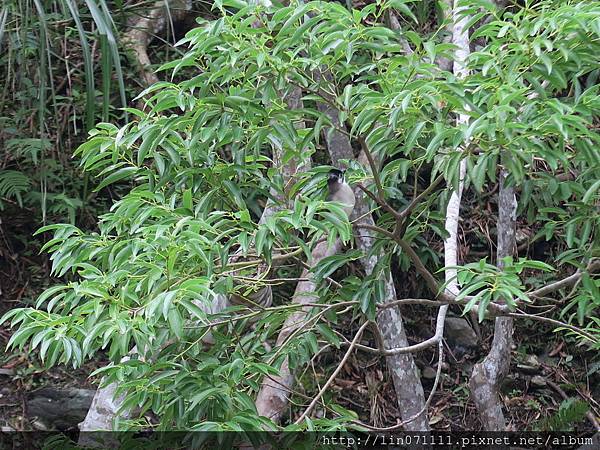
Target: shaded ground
(542, 371)
(24, 274)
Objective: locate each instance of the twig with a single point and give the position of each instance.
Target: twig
(334, 374)
(375, 228)
(379, 200)
(427, 403)
(406, 211)
(432, 283)
(577, 330)
(376, 177)
(565, 282)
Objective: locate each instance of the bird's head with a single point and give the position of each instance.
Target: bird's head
(335, 176)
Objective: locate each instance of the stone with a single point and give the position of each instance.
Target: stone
(428, 373)
(532, 360)
(38, 425)
(58, 408)
(530, 364)
(458, 333)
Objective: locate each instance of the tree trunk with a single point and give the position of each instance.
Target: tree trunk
(487, 375)
(274, 393)
(145, 28)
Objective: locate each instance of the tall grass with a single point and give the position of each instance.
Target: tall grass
(50, 54)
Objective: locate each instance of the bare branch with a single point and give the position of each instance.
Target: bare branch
(334, 374)
(593, 339)
(436, 338)
(375, 172)
(427, 403)
(419, 198)
(592, 267)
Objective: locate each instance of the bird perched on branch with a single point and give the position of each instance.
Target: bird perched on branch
(340, 191)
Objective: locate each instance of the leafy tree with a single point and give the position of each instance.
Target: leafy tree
(202, 157)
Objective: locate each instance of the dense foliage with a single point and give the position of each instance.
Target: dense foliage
(61, 72)
(201, 154)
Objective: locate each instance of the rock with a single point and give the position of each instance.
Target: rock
(527, 369)
(530, 364)
(59, 408)
(428, 373)
(532, 360)
(435, 419)
(38, 425)
(459, 334)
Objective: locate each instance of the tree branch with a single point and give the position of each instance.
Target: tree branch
(592, 267)
(375, 172)
(402, 424)
(334, 374)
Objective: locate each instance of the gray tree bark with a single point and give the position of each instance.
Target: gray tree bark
(274, 394)
(488, 374)
(402, 367)
(145, 28)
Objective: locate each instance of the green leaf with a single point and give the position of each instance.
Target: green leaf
(591, 192)
(330, 264)
(235, 193)
(175, 322)
(121, 174)
(329, 335)
(187, 199)
(205, 395)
